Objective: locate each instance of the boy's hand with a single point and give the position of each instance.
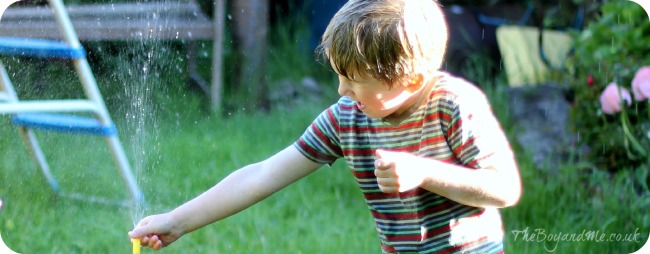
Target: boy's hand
(396, 171)
(156, 231)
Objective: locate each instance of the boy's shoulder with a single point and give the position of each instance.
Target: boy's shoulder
(453, 88)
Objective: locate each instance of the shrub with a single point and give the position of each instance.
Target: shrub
(611, 49)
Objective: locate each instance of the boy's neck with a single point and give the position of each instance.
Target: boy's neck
(418, 99)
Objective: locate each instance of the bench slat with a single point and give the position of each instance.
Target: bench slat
(112, 22)
(106, 10)
(114, 30)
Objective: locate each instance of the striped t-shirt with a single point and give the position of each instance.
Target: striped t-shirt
(455, 125)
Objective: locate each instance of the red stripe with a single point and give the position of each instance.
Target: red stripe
(460, 148)
(347, 107)
(418, 237)
(433, 140)
(454, 127)
(358, 151)
(381, 195)
(332, 119)
(380, 129)
(433, 117)
(363, 174)
(311, 151)
(443, 116)
(463, 246)
(402, 216)
(429, 234)
(323, 137)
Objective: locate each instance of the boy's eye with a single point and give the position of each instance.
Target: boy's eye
(348, 80)
(359, 80)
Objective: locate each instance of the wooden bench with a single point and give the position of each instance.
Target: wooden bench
(166, 20)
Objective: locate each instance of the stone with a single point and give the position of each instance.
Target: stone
(540, 115)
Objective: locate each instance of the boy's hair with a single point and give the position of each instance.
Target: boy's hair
(389, 40)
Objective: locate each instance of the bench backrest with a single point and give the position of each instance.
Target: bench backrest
(119, 21)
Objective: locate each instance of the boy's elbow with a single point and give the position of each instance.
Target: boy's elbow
(511, 198)
(510, 187)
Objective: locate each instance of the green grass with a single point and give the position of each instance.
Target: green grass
(178, 150)
(557, 206)
(194, 156)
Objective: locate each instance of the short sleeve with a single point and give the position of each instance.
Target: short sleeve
(320, 142)
(473, 132)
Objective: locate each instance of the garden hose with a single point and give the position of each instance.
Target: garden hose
(136, 245)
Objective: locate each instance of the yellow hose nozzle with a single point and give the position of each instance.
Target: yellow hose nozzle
(136, 245)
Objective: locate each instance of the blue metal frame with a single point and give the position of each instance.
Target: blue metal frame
(39, 48)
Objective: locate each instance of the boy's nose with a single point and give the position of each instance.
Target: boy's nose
(343, 88)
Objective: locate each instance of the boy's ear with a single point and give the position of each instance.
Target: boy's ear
(415, 82)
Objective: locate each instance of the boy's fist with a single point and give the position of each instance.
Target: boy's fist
(397, 171)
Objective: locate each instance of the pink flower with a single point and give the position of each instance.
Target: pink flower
(641, 84)
(610, 99)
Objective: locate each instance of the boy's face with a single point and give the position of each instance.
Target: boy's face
(374, 97)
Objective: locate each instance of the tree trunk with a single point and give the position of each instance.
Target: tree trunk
(250, 28)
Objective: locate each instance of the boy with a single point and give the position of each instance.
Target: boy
(429, 155)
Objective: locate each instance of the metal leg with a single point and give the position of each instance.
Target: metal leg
(125, 169)
(92, 92)
(6, 88)
(7, 94)
(37, 154)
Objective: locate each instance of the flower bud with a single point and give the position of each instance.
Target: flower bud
(611, 99)
(641, 84)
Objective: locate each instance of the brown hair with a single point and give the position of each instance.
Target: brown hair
(388, 40)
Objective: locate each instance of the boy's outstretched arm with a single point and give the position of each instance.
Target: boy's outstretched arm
(234, 193)
(492, 186)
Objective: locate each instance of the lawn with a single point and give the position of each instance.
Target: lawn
(178, 150)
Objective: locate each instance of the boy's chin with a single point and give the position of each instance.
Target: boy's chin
(377, 115)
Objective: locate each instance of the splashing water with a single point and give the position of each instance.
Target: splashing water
(139, 76)
(138, 116)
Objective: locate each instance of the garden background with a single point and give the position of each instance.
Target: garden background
(179, 147)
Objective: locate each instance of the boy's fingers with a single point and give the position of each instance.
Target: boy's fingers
(384, 171)
(135, 234)
(153, 241)
(146, 241)
(384, 159)
(379, 173)
(158, 245)
(381, 153)
(382, 164)
(386, 182)
(138, 232)
(388, 189)
(378, 163)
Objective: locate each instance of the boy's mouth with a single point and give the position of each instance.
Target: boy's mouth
(360, 105)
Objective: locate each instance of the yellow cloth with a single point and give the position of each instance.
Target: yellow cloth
(519, 46)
